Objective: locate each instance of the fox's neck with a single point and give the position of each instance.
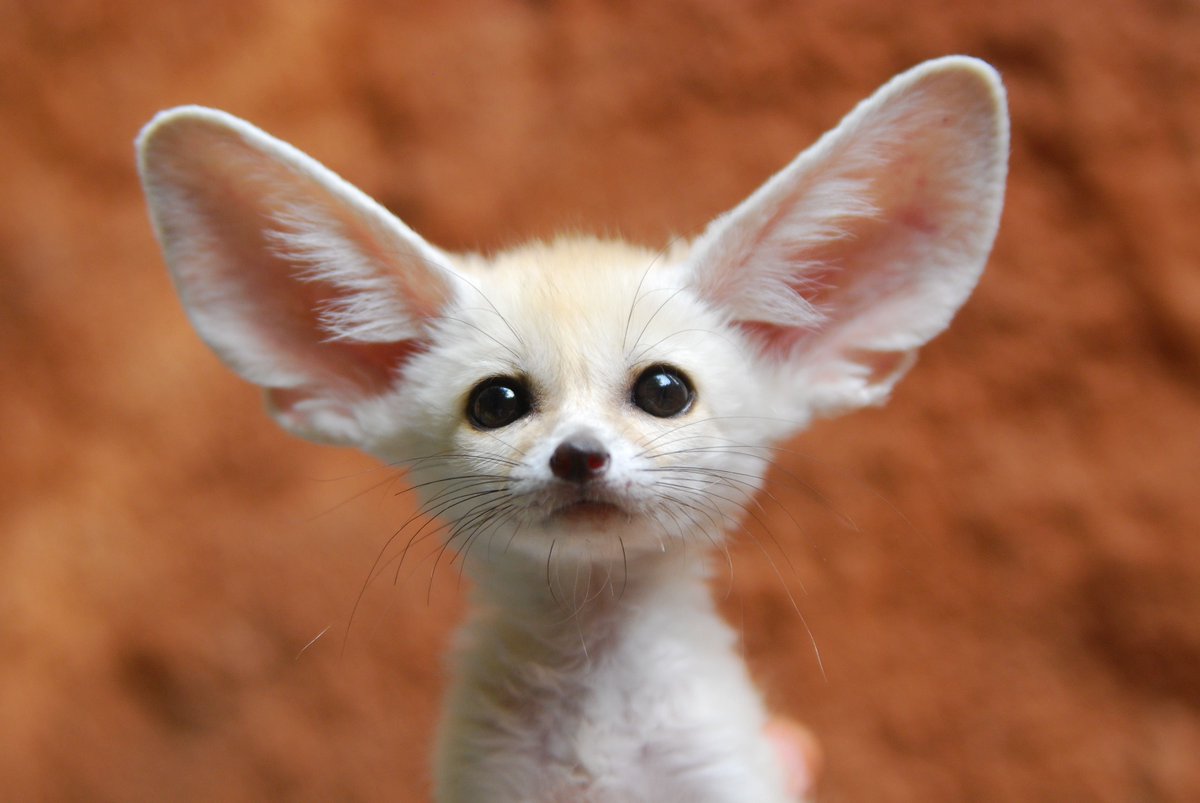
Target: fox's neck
(539, 646)
(589, 626)
(589, 606)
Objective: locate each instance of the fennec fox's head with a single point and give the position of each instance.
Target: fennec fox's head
(587, 399)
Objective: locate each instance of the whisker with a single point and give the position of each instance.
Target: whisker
(515, 354)
(732, 448)
(493, 519)
(391, 478)
(311, 642)
(473, 526)
(458, 275)
(751, 492)
(549, 581)
(654, 315)
(637, 292)
(721, 545)
(651, 346)
(458, 491)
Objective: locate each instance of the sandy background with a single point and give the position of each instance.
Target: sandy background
(1001, 570)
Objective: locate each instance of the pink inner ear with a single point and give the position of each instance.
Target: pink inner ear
(370, 368)
(918, 219)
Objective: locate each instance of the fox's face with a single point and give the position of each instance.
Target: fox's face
(581, 395)
(585, 399)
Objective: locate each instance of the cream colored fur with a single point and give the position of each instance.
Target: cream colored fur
(594, 667)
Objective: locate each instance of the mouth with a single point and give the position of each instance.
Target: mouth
(589, 512)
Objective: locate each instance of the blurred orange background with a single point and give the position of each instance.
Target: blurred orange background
(1000, 570)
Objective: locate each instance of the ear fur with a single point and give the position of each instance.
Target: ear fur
(864, 247)
(297, 280)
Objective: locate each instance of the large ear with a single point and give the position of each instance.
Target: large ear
(299, 282)
(865, 246)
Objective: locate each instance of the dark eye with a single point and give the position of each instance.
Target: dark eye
(663, 391)
(497, 402)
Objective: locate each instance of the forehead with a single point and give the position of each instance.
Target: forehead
(578, 305)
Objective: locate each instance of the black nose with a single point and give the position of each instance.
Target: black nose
(580, 458)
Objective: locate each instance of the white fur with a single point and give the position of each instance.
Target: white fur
(594, 667)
